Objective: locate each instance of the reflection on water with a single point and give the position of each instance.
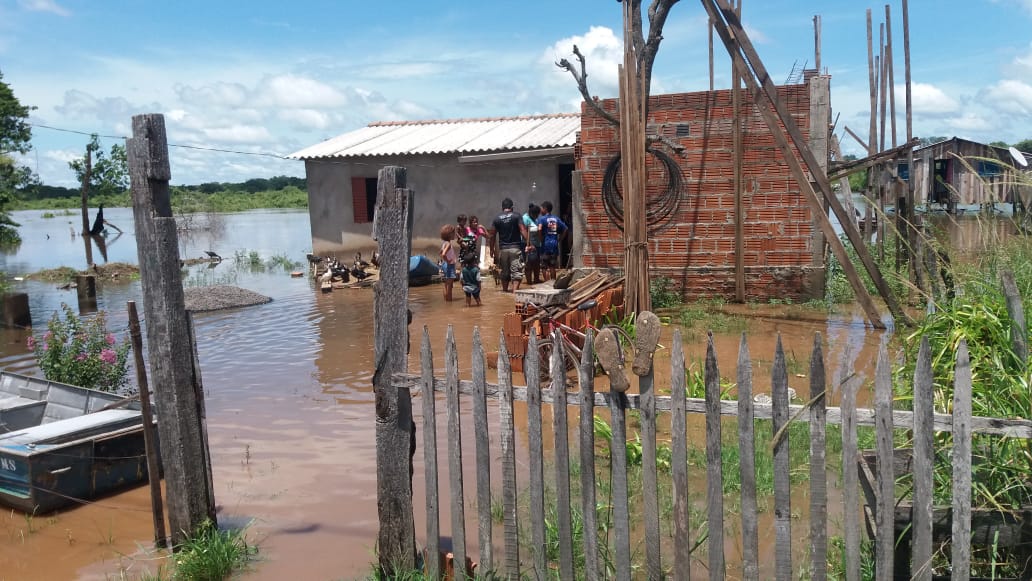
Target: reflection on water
(289, 402)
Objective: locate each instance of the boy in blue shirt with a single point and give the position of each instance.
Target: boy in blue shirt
(552, 230)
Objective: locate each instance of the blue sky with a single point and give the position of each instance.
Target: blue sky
(274, 77)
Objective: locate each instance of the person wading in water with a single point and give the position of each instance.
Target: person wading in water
(511, 236)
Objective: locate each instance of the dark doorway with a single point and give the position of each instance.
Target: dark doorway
(566, 210)
(941, 181)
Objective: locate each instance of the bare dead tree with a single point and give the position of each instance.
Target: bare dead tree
(645, 51)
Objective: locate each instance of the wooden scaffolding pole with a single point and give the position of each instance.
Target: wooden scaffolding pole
(765, 95)
(632, 152)
(739, 155)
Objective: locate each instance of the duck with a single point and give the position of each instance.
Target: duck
(212, 255)
(359, 274)
(359, 263)
(326, 276)
(313, 259)
(375, 258)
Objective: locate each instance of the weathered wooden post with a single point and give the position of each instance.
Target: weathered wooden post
(395, 432)
(1018, 330)
(177, 379)
(153, 466)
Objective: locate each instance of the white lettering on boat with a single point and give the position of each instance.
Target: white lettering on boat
(7, 464)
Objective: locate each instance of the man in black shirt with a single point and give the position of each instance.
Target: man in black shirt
(511, 236)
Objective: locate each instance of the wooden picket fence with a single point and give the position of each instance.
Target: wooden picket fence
(892, 560)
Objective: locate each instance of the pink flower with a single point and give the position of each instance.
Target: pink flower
(80, 357)
(31, 342)
(110, 339)
(108, 356)
(47, 336)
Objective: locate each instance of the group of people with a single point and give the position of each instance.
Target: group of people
(526, 246)
(522, 246)
(469, 235)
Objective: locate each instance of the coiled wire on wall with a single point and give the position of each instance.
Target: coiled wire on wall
(660, 209)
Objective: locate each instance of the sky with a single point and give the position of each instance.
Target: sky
(270, 78)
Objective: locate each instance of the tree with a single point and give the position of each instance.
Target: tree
(15, 137)
(109, 174)
(1024, 146)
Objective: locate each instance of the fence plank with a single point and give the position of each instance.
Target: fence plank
(818, 465)
(483, 454)
(961, 541)
(532, 371)
(649, 477)
(560, 431)
(618, 459)
(901, 420)
(433, 518)
(679, 460)
(747, 465)
(458, 514)
(714, 470)
(508, 442)
(782, 482)
(924, 459)
(884, 538)
(1018, 330)
(850, 482)
(586, 376)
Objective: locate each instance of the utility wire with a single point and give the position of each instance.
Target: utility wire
(197, 147)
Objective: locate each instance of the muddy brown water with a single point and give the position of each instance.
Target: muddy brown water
(290, 408)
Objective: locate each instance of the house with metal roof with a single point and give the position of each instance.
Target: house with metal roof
(455, 166)
(960, 172)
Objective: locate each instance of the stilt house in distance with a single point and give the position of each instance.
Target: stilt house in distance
(962, 172)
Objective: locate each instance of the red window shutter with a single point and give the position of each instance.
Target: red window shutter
(358, 200)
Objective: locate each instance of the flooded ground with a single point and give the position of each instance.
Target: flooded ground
(289, 402)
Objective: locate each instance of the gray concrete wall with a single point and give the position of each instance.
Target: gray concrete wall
(443, 189)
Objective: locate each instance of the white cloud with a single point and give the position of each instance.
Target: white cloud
(930, 100)
(602, 51)
(44, 6)
(305, 118)
(62, 155)
(969, 123)
(239, 134)
(213, 95)
(1009, 96)
(296, 91)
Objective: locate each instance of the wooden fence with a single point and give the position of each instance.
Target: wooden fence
(528, 557)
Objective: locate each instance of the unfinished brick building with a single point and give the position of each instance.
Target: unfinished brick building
(783, 248)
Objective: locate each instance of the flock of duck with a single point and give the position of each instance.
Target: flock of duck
(342, 272)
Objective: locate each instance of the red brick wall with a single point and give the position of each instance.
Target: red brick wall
(697, 249)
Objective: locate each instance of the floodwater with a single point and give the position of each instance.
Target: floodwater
(289, 400)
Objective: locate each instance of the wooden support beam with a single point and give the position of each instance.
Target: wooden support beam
(857, 138)
(891, 70)
(739, 155)
(842, 170)
(737, 42)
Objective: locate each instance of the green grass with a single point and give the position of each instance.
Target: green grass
(212, 554)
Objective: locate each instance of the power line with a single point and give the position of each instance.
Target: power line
(182, 146)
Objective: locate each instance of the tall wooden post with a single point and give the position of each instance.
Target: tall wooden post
(395, 432)
(178, 392)
(739, 155)
(633, 107)
(891, 71)
(84, 194)
(911, 232)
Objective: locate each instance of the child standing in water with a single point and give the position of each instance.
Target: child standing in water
(471, 278)
(448, 259)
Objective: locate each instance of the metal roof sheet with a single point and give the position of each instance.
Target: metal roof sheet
(450, 136)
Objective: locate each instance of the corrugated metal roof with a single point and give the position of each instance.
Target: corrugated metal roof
(450, 136)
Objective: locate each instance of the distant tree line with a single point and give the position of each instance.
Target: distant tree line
(251, 186)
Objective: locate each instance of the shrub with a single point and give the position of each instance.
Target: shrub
(81, 352)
